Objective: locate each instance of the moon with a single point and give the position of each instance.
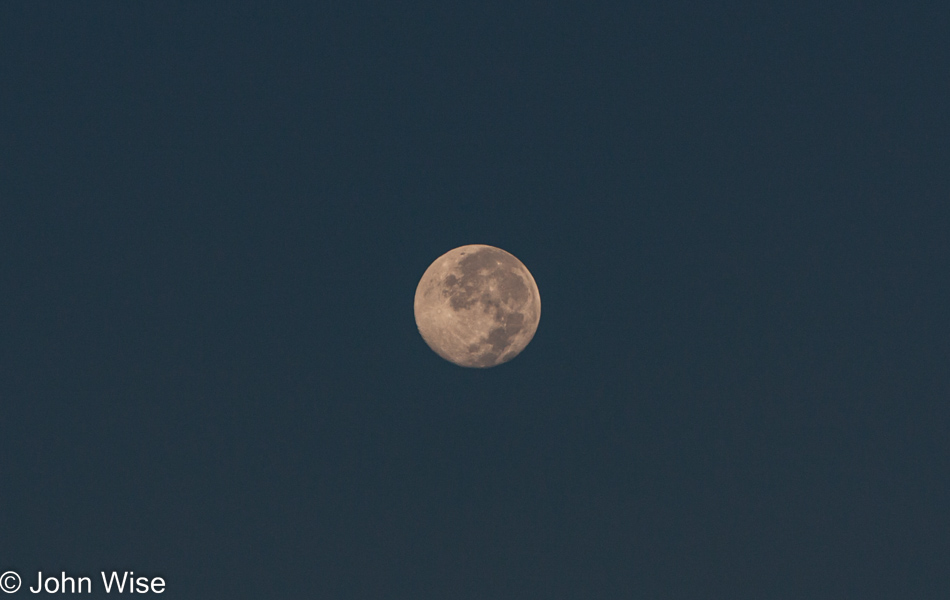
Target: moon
(477, 306)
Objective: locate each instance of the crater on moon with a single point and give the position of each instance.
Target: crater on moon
(477, 306)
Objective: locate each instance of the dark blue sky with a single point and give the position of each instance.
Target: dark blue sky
(213, 219)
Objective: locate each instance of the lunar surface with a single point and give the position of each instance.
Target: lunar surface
(477, 306)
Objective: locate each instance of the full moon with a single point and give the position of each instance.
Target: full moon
(477, 306)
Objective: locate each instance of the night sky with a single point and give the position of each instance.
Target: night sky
(213, 218)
